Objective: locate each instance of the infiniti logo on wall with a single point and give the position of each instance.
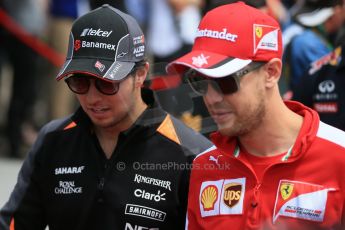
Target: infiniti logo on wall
(327, 86)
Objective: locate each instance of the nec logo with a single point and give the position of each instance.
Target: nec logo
(137, 227)
(98, 33)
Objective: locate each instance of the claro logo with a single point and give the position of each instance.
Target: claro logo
(149, 196)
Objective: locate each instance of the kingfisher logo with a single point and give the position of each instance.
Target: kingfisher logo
(152, 181)
(97, 33)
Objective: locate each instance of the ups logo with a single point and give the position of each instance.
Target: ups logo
(232, 194)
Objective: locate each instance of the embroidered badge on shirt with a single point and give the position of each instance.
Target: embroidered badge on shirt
(300, 200)
(222, 197)
(265, 37)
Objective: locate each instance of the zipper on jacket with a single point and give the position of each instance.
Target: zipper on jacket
(254, 216)
(255, 201)
(100, 186)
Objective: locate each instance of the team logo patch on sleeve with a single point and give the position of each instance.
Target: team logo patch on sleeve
(222, 197)
(300, 200)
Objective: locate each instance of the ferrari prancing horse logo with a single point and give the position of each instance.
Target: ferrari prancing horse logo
(286, 190)
(258, 31)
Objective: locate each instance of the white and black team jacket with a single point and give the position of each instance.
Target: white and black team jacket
(66, 182)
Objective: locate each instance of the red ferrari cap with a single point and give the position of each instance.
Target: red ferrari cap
(230, 37)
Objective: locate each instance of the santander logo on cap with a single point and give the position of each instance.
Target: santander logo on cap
(224, 34)
(229, 37)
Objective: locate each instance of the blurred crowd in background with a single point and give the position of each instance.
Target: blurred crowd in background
(34, 37)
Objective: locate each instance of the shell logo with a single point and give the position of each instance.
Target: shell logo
(209, 197)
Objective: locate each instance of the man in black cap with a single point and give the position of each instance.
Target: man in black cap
(117, 163)
(311, 36)
(323, 88)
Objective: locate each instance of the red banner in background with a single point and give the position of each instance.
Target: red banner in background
(31, 41)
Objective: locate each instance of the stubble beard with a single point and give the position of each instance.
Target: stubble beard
(245, 123)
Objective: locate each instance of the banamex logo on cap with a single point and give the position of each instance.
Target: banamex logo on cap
(77, 45)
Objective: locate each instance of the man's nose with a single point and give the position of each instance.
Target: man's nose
(93, 93)
(212, 95)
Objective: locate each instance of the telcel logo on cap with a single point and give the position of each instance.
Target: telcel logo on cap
(98, 33)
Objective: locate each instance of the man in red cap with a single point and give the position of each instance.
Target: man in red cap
(118, 162)
(274, 164)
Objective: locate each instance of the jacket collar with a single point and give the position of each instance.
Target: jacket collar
(306, 135)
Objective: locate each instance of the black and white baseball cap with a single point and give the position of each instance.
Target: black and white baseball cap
(315, 12)
(105, 43)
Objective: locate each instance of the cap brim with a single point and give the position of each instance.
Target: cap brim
(208, 63)
(315, 17)
(112, 71)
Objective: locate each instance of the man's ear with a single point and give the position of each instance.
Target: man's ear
(141, 74)
(273, 69)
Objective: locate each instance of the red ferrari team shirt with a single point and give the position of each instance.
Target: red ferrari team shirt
(302, 190)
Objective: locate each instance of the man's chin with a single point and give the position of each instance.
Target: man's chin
(224, 129)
